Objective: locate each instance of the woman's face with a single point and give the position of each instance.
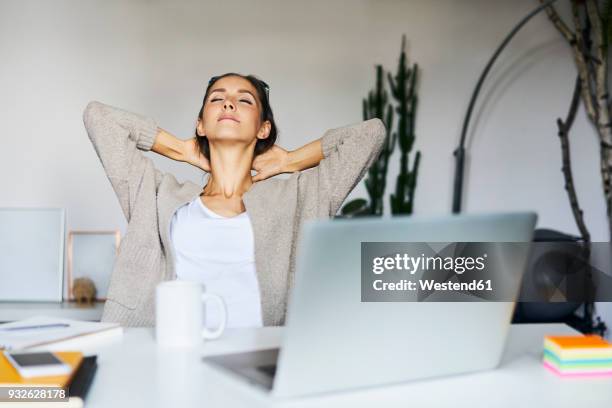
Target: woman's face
(232, 113)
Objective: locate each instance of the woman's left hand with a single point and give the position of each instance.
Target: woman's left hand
(270, 163)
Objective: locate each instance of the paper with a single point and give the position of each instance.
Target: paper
(21, 339)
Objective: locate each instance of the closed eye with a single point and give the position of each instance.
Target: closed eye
(242, 100)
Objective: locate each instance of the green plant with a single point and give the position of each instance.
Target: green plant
(403, 89)
(377, 105)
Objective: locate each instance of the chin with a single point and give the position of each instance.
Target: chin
(226, 135)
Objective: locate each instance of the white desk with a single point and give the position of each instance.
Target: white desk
(134, 372)
(10, 311)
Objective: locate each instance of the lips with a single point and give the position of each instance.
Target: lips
(225, 117)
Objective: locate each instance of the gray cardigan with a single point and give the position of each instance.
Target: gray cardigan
(277, 208)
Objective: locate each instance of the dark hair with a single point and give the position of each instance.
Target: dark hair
(266, 114)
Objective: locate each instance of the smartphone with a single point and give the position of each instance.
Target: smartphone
(37, 364)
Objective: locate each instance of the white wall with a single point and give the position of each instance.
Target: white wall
(155, 57)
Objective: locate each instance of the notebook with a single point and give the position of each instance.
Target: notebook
(83, 377)
(74, 335)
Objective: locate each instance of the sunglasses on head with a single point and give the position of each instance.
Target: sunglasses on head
(266, 86)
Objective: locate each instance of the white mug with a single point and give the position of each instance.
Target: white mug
(179, 314)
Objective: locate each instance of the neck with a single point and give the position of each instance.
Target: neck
(230, 171)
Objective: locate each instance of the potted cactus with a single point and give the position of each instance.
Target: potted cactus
(377, 105)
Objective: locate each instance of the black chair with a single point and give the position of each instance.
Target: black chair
(547, 266)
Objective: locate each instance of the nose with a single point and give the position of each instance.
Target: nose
(228, 104)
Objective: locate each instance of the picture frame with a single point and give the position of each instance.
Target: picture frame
(32, 254)
(91, 254)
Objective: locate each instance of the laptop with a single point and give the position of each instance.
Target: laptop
(334, 342)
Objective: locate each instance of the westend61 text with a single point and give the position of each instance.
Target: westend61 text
(428, 285)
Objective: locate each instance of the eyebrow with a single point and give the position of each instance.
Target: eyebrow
(240, 91)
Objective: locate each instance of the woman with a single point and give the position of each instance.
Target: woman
(238, 233)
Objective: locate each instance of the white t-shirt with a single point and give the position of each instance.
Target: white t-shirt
(218, 252)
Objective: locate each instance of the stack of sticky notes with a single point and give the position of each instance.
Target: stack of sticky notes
(580, 355)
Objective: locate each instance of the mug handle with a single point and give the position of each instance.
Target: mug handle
(216, 333)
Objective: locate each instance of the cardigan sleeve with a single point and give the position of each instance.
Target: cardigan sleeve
(348, 153)
(118, 137)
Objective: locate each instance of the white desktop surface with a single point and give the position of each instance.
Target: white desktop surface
(134, 372)
(11, 311)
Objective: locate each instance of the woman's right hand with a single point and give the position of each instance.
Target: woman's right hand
(193, 155)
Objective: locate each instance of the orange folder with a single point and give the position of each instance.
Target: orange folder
(10, 376)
